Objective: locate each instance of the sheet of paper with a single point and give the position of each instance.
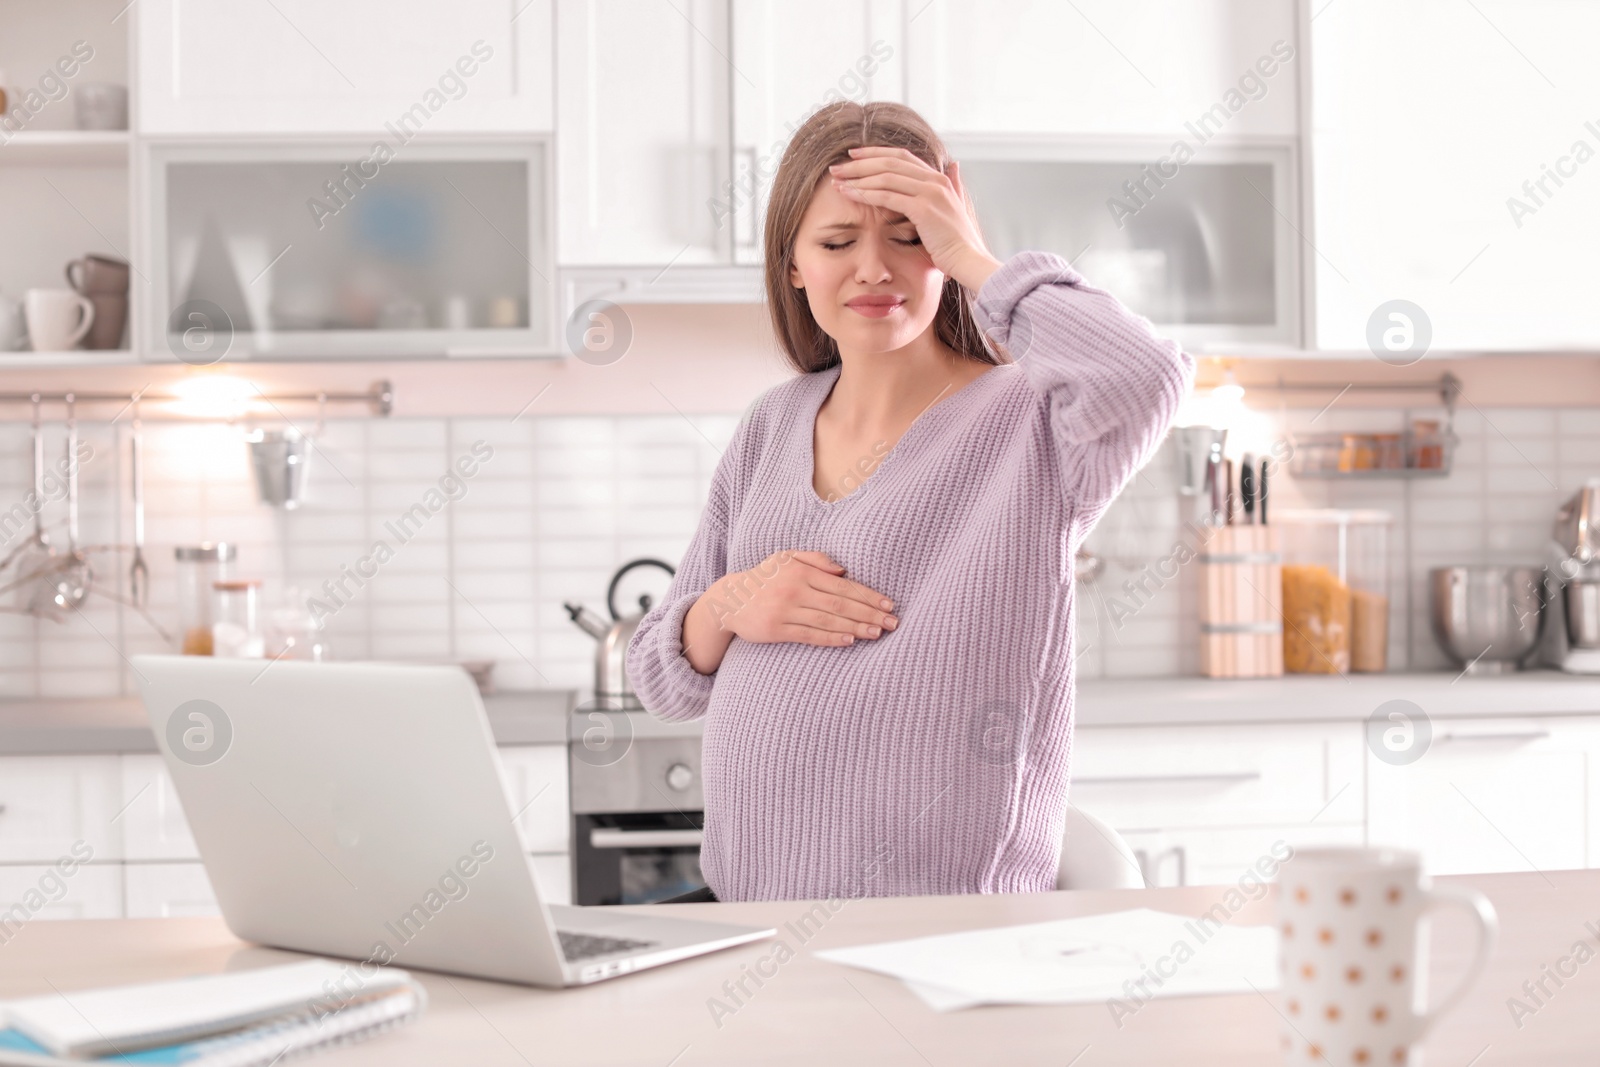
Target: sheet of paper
(1129, 955)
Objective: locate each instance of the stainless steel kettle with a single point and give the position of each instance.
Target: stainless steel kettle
(1576, 535)
(611, 688)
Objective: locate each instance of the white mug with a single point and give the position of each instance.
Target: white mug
(57, 319)
(1353, 959)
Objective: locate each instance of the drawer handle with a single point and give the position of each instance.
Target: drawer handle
(1506, 735)
(1158, 779)
(608, 838)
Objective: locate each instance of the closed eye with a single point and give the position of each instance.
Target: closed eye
(834, 246)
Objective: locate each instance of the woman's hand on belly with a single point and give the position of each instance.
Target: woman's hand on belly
(789, 596)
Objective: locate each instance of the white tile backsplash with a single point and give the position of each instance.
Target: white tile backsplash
(565, 500)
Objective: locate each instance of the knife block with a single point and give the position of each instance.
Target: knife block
(1241, 603)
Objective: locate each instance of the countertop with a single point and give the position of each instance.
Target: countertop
(537, 717)
(1331, 698)
(113, 724)
(808, 1011)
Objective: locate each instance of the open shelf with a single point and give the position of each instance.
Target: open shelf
(65, 147)
(119, 357)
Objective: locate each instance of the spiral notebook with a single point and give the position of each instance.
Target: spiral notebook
(243, 1019)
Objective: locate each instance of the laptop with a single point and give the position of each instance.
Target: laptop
(357, 810)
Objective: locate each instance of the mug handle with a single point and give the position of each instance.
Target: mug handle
(74, 282)
(87, 307)
(1477, 905)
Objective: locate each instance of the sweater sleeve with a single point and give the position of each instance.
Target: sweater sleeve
(1113, 386)
(659, 673)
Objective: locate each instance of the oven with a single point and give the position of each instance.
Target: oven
(637, 807)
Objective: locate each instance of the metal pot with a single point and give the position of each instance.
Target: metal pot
(611, 688)
(1487, 617)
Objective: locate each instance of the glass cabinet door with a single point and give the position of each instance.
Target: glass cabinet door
(1203, 249)
(334, 251)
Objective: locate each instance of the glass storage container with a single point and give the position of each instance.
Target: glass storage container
(236, 619)
(197, 568)
(1335, 590)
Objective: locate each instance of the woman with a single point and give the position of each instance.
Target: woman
(875, 617)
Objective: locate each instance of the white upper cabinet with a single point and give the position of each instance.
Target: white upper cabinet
(789, 60)
(292, 66)
(1454, 154)
(642, 131)
(1142, 67)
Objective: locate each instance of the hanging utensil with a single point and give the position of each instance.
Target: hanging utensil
(35, 556)
(139, 573)
(72, 580)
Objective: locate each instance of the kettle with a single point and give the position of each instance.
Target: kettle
(1572, 584)
(611, 687)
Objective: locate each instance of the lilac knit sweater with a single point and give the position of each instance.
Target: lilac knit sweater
(933, 759)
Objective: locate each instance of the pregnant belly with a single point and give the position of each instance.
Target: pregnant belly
(830, 759)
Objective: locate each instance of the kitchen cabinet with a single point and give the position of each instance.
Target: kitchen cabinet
(167, 891)
(1492, 795)
(1206, 249)
(640, 171)
(1202, 805)
(1207, 856)
(1454, 160)
(300, 250)
(52, 805)
(789, 60)
(298, 66)
(1095, 67)
(151, 817)
(1217, 776)
(145, 863)
(535, 778)
(91, 891)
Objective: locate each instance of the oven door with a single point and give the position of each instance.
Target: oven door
(636, 857)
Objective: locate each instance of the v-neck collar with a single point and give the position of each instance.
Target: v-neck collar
(826, 380)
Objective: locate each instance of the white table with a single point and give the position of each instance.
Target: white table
(816, 1013)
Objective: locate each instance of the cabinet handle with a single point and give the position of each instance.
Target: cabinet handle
(1183, 864)
(1505, 735)
(1235, 777)
(608, 838)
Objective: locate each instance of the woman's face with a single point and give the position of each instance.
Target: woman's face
(870, 285)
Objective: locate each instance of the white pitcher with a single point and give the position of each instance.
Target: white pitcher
(57, 319)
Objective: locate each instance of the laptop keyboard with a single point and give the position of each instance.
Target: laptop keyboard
(575, 946)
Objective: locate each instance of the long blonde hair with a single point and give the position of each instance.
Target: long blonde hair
(824, 139)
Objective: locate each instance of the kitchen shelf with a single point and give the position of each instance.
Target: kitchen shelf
(118, 357)
(1360, 456)
(65, 147)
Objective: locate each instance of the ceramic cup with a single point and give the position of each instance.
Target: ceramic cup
(57, 318)
(98, 276)
(1354, 949)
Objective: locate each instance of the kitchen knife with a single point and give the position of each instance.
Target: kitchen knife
(1247, 485)
(1214, 487)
